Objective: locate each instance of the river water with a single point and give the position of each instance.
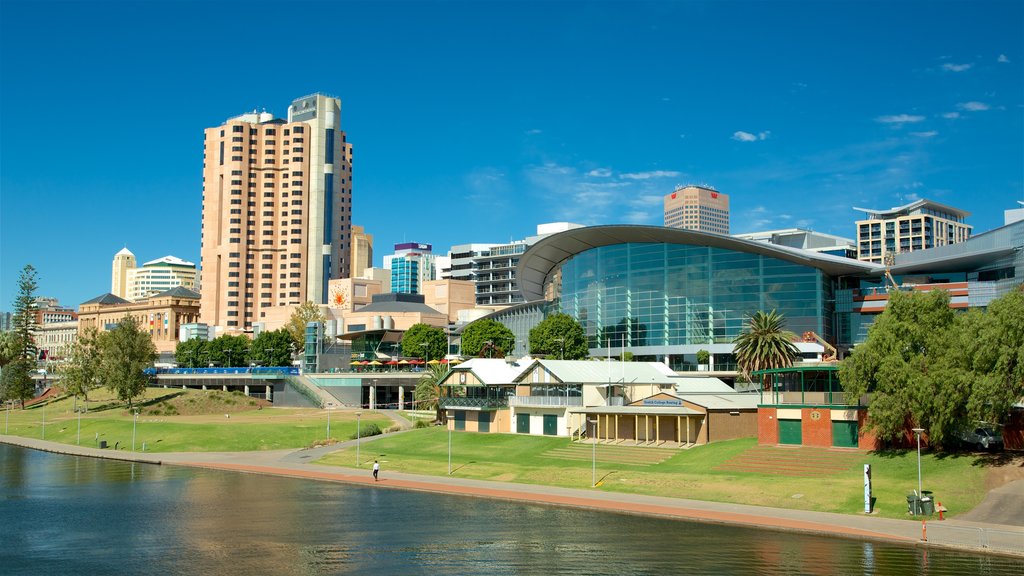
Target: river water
(71, 515)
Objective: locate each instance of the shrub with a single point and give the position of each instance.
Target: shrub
(421, 424)
(370, 429)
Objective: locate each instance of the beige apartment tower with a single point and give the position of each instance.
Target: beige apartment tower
(697, 208)
(277, 211)
(362, 251)
(920, 225)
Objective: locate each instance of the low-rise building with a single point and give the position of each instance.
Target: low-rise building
(160, 316)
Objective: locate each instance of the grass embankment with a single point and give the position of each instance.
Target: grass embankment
(957, 481)
(172, 420)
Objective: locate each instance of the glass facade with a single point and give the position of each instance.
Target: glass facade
(656, 294)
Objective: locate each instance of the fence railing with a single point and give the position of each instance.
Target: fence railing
(473, 402)
(545, 401)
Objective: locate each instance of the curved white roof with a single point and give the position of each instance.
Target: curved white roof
(544, 256)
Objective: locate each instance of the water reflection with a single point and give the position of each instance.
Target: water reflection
(85, 516)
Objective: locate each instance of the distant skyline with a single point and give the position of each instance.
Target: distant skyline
(476, 121)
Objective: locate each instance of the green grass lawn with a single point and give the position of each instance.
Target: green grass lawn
(242, 429)
(957, 481)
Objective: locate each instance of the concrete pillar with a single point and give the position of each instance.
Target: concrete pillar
(373, 397)
(246, 389)
(269, 390)
(204, 386)
(225, 387)
(401, 397)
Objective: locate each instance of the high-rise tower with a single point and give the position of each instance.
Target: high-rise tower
(123, 262)
(697, 208)
(277, 209)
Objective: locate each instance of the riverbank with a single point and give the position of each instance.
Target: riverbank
(962, 535)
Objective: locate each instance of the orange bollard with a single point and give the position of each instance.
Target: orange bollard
(940, 511)
(924, 531)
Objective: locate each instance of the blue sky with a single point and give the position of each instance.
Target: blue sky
(474, 122)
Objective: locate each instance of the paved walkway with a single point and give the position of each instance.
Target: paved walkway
(960, 534)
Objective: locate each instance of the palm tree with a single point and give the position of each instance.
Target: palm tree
(765, 344)
(428, 390)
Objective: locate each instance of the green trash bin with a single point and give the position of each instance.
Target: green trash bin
(914, 504)
(927, 503)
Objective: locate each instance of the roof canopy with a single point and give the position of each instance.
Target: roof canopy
(543, 257)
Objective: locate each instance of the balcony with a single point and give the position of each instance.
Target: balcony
(536, 401)
(480, 403)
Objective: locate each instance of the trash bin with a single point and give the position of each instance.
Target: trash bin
(927, 503)
(103, 443)
(913, 504)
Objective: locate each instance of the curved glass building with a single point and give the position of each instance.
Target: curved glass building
(661, 292)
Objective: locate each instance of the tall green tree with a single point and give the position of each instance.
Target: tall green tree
(229, 350)
(424, 341)
(272, 348)
(559, 336)
(192, 353)
(125, 352)
(16, 380)
(914, 365)
(488, 338)
(10, 347)
(765, 344)
(306, 312)
(994, 344)
(428, 391)
(81, 372)
(25, 308)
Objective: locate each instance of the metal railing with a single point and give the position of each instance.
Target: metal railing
(545, 401)
(473, 402)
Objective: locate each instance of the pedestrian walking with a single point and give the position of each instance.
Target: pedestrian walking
(376, 470)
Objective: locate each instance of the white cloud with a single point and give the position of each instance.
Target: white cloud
(950, 67)
(951, 115)
(928, 134)
(973, 106)
(650, 174)
(899, 119)
(1003, 58)
(742, 136)
(487, 186)
(600, 173)
(534, 131)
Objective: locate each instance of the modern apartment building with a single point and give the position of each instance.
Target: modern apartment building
(277, 211)
(411, 265)
(362, 251)
(492, 267)
(916, 226)
(134, 283)
(697, 208)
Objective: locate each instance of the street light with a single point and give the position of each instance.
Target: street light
(561, 342)
(329, 406)
(449, 450)
(358, 414)
(135, 420)
(917, 431)
(593, 473)
(79, 410)
(228, 352)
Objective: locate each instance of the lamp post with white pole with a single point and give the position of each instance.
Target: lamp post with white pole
(593, 473)
(135, 420)
(358, 414)
(329, 406)
(79, 410)
(449, 450)
(918, 431)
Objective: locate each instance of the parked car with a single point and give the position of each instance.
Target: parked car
(982, 437)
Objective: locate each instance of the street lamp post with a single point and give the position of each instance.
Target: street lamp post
(7, 419)
(228, 352)
(917, 431)
(561, 344)
(44, 421)
(135, 420)
(79, 410)
(593, 472)
(449, 450)
(358, 414)
(328, 406)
